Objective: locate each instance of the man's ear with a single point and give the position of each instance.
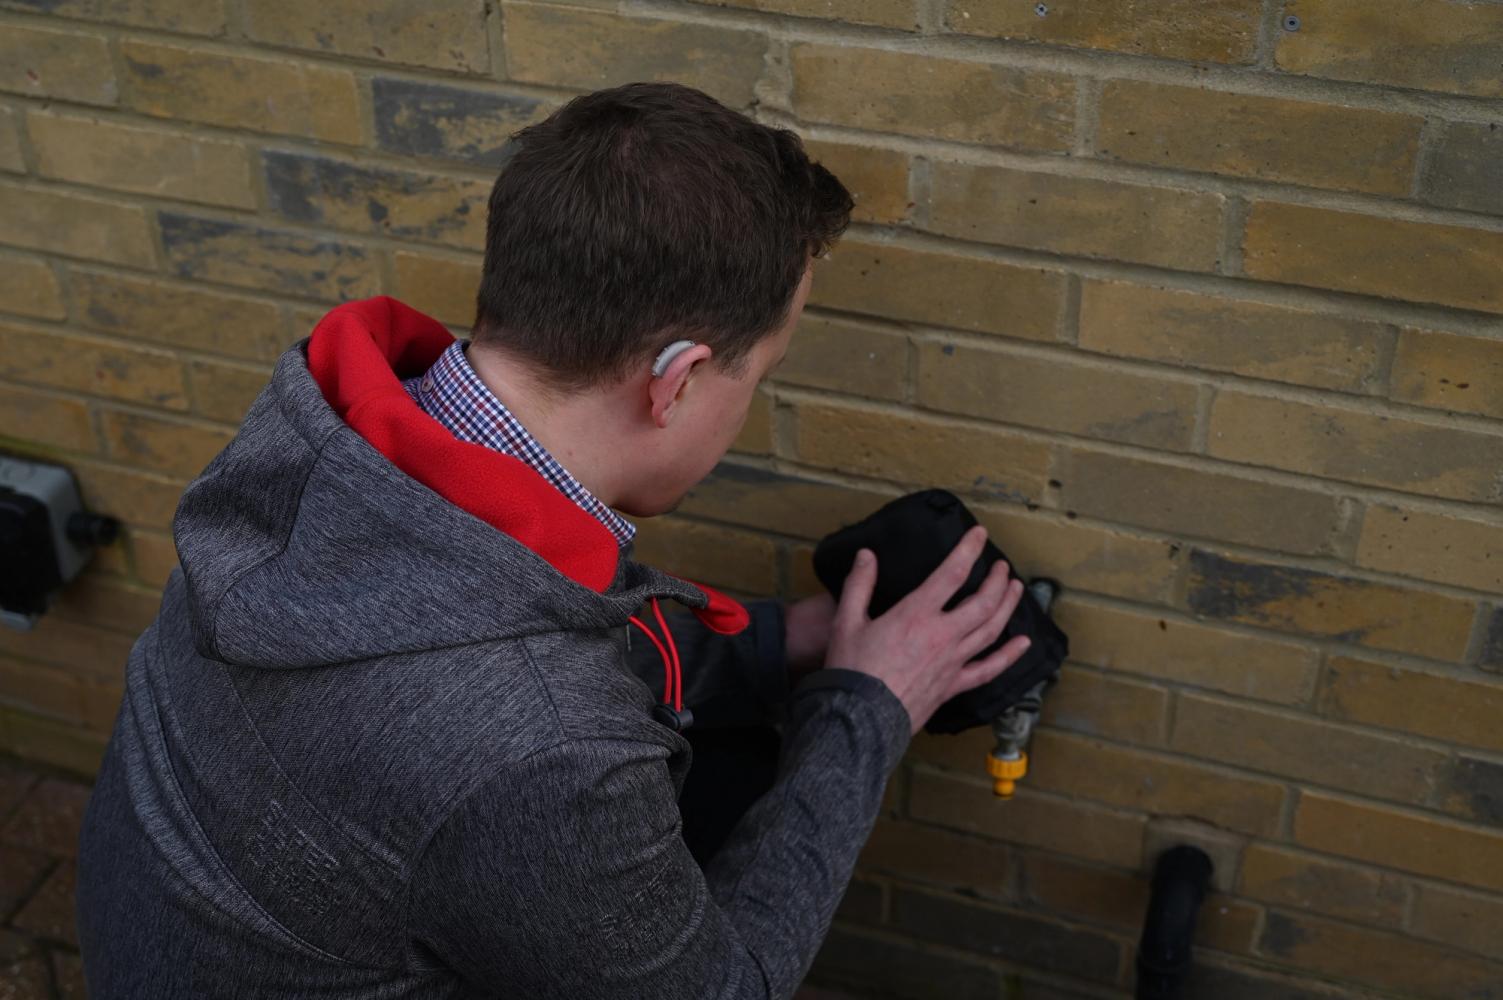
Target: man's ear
(664, 391)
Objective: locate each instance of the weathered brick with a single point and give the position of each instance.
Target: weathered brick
(1186, 653)
(831, 353)
(74, 226)
(1456, 709)
(1424, 844)
(141, 160)
(1224, 31)
(1449, 371)
(86, 649)
(1197, 502)
(709, 553)
(11, 159)
(1078, 216)
(248, 92)
(45, 420)
(971, 102)
(56, 743)
(225, 391)
(756, 434)
(876, 178)
(1467, 920)
(430, 119)
(1390, 961)
(939, 857)
(92, 365)
(881, 13)
(1465, 168)
(46, 691)
(196, 17)
(588, 50)
(439, 34)
(1348, 609)
(155, 556)
(1373, 255)
(60, 65)
(1054, 393)
(1268, 138)
(1076, 828)
(406, 205)
(915, 450)
(1323, 350)
(290, 263)
(1285, 877)
(902, 970)
(109, 602)
(1304, 748)
(29, 287)
(443, 287)
(1472, 788)
(155, 310)
(1426, 44)
(775, 501)
(1096, 704)
(1089, 557)
(1491, 657)
(1461, 551)
(162, 445)
(1339, 442)
(968, 293)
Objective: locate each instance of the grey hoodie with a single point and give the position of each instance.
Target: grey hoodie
(374, 746)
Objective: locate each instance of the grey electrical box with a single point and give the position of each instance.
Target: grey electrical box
(46, 537)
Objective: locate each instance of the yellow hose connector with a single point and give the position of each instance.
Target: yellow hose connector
(1006, 773)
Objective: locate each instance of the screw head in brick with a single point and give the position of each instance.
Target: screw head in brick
(1042, 10)
(1291, 23)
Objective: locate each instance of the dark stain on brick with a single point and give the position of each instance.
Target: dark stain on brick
(313, 188)
(192, 245)
(423, 119)
(145, 70)
(748, 475)
(1477, 787)
(41, 6)
(1281, 936)
(1492, 641)
(1225, 588)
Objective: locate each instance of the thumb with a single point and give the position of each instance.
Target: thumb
(856, 595)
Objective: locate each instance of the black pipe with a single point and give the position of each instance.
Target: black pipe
(1180, 878)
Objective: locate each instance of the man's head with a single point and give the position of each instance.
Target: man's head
(639, 216)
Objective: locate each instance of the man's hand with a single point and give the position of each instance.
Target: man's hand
(807, 625)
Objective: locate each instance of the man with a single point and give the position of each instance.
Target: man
(391, 734)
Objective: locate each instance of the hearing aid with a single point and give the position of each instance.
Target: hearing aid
(666, 356)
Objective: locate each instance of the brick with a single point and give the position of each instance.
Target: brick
(1449, 372)
(42, 690)
(1472, 788)
(91, 365)
(913, 450)
(709, 553)
(57, 65)
(1372, 255)
(1077, 216)
(1055, 393)
(68, 974)
(74, 226)
(27, 973)
(921, 95)
(1223, 848)
(1043, 944)
(101, 600)
(880, 13)
(277, 260)
(1290, 878)
(1338, 442)
(1461, 919)
(57, 744)
(10, 143)
(774, 501)
(443, 287)
(1492, 642)
(1089, 557)
(197, 17)
(45, 420)
(1390, 961)
(1322, 350)
(49, 913)
(830, 353)
(1197, 502)
(1234, 982)
(967, 293)
(938, 857)
(1421, 843)
(161, 445)
(440, 34)
(1424, 44)
(155, 556)
(155, 310)
(1465, 168)
(1463, 552)
(756, 434)
(50, 818)
(1267, 138)
(15, 782)
(902, 970)
(247, 92)
(29, 287)
(1096, 704)
(1223, 31)
(1069, 827)
(20, 871)
(405, 205)
(1184, 652)
(1290, 598)
(1304, 748)
(83, 648)
(876, 178)
(1455, 709)
(453, 123)
(225, 391)
(588, 50)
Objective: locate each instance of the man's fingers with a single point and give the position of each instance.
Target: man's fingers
(945, 580)
(974, 611)
(856, 594)
(986, 633)
(976, 674)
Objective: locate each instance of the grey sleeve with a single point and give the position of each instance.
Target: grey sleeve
(729, 680)
(567, 877)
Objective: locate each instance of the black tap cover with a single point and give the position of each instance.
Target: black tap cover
(911, 537)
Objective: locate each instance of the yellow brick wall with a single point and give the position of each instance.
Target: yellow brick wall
(1198, 302)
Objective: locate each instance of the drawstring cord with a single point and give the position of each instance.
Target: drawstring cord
(673, 670)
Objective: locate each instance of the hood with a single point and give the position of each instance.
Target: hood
(343, 522)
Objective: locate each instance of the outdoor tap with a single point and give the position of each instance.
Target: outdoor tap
(1008, 762)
